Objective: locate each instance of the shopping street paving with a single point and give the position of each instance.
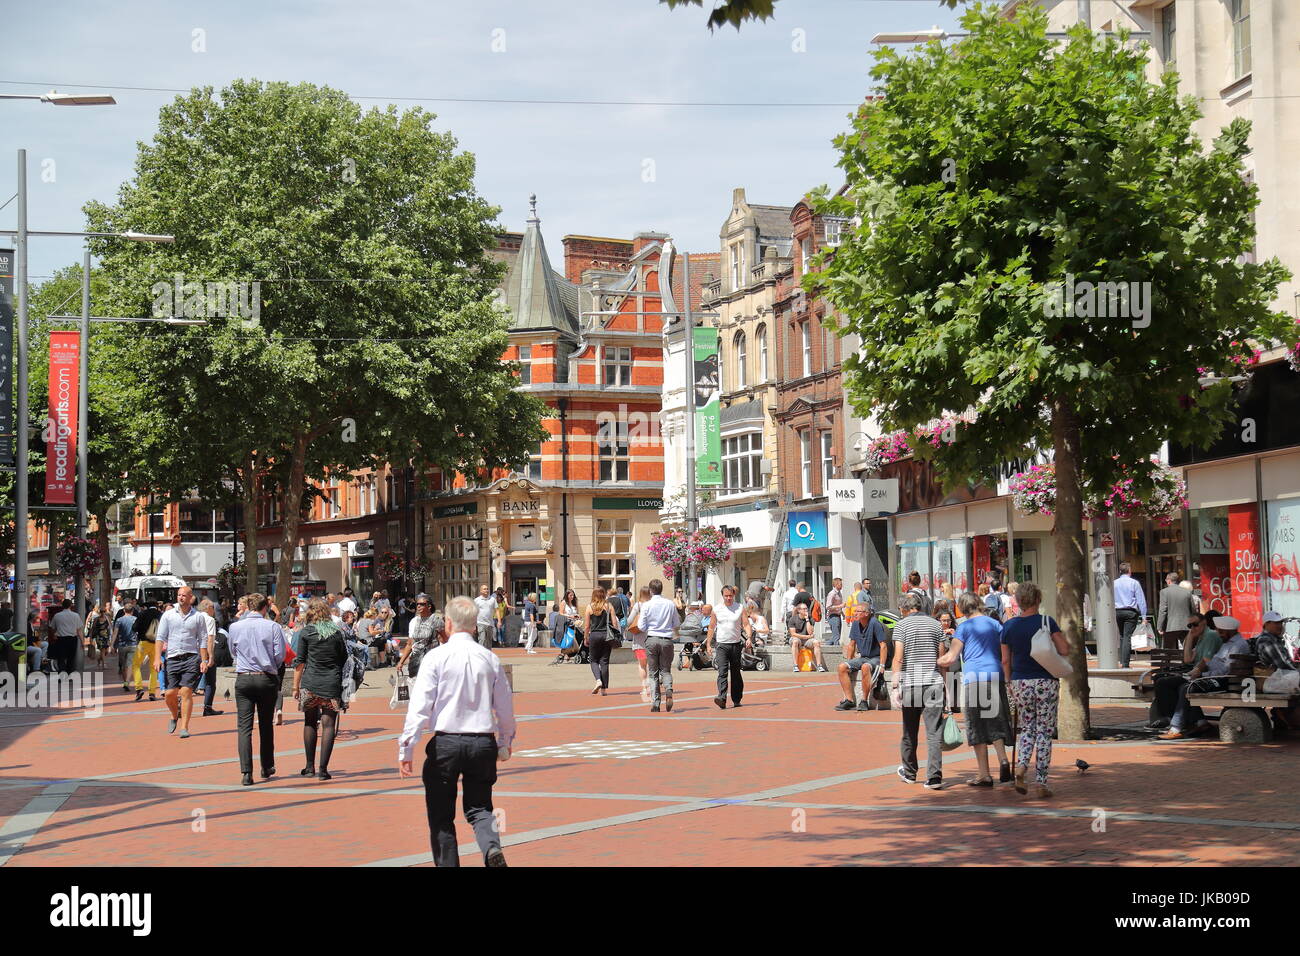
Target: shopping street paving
(784, 780)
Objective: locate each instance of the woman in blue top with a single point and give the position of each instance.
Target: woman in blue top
(1034, 691)
(977, 644)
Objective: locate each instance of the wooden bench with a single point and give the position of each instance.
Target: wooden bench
(1244, 717)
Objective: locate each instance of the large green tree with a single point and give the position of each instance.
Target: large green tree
(987, 173)
(375, 337)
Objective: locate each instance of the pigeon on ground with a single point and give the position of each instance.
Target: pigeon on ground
(1082, 765)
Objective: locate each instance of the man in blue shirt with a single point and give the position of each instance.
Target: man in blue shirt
(257, 646)
(530, 613)
(861, 654)
(1130, 608)
(124, 641)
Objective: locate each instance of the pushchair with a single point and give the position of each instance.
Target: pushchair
(756, 659)
(692, 657)
(575, 651)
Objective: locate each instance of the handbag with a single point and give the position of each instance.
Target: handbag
(952, 735)
(1044, 652)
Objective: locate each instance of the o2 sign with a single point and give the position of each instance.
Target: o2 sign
(807, 529)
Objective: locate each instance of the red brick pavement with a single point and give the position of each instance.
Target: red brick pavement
(821, 787)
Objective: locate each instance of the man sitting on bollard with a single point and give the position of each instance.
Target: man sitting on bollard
(861, 654)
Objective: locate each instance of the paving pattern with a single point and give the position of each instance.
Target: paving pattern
(785, 780)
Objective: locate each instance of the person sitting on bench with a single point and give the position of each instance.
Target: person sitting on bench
(1215, 678)
(1201, 642)
(861, 654)
(1271, 649)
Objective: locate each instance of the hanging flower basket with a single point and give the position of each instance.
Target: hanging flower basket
(709, 548)
(1034, 492)
(231, 574)
(668, 550)
(900, 444)
(79, 557)
(391, 566)
(418, 568)
(675, 550)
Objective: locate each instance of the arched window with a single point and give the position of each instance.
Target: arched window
(761, 335)
(742, 374)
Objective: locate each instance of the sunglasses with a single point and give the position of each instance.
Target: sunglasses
(422, 604)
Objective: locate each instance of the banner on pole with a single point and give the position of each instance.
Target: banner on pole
(7, 358)
(708, 425)
(61, 427)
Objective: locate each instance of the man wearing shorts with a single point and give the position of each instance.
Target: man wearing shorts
(184, 631)
(862, 654)
(124, 642)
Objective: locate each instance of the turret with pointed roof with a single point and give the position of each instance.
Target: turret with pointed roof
(534, 292)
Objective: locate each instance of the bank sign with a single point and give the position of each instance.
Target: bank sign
(807, 530)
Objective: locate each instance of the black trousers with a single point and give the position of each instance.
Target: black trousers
(923, 702)
(447, 759)
(64, 653)
(726, 658)
(260, 693)
(1127, 618)
(599, 647)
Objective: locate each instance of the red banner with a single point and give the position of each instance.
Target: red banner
(61, 428)
(1247, 578)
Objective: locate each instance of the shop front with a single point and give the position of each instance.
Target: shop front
(751, 535)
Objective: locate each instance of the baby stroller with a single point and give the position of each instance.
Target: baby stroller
(755, 659)
(692, 657)
(573, 650)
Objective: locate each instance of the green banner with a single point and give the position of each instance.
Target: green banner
(627, 504)
(708, 425)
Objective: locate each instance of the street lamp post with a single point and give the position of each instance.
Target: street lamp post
(20, 279)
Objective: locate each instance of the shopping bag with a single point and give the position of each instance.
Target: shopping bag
(805, 659)
(1044, 652)
(1144, 636)
(952, 735)
(1282, 682)
(401, 690)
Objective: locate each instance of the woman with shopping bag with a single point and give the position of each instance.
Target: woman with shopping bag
(1028, 641)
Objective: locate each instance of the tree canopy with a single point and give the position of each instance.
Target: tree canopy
(993, 174)
(351, 319)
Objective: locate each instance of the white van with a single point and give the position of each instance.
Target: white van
(149, 587)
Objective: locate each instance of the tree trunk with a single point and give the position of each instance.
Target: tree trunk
(1071, 569)
(101, 538)
(251, 484)
(291, 519)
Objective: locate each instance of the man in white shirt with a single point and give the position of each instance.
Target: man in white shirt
(728, 633)
(65, 630)
(346, 603)
(208, 684)
(184, 632)
(463, 693)
(485, 620)
(787, 600)
(659, 619)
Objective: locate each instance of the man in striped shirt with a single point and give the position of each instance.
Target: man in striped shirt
(918, 683)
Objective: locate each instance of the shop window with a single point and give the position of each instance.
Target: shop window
(1226, 564)
(1282, 564)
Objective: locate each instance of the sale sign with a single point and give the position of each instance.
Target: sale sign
(1244, 566)
(61, 427)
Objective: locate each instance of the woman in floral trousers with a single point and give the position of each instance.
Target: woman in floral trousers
(1034, 692)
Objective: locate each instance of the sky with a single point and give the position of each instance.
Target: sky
(597, 169)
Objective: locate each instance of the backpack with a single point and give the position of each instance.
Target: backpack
(993, 606)
(221, 656)
(816, 613)
(926, 603)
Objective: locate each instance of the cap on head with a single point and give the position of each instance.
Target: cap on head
(1272, 617)
(1225, 623)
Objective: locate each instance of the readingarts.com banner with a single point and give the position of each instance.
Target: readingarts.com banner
(61, 429)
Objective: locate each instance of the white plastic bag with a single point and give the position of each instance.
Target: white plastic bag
(1282, 682)
(1144, 636)
(1044, 652)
